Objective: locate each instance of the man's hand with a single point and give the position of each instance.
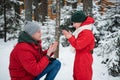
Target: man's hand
(67, 34)
(52, 48)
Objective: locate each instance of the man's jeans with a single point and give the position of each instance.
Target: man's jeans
(50, 71)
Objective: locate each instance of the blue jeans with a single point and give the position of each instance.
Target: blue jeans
(51, 70)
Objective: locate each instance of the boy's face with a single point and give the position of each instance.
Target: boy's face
(76, 24)
(37, 35)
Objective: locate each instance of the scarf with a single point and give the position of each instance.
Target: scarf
(78, 31)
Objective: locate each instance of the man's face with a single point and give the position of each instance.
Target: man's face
(37, 35)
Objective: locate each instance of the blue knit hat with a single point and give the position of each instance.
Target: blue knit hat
(31, 27)
(78, 16)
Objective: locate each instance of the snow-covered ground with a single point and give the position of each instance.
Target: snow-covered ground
(66, 57)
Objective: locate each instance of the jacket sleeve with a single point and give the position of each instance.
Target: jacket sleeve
(83, 40)
(30, 64)
(45, 52)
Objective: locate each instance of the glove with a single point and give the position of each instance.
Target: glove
(52, 59)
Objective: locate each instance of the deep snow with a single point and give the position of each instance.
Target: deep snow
(66, 57)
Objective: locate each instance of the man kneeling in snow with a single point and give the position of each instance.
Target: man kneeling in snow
(28, 61)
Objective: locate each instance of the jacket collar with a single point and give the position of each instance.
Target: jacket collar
(24, 37)
(89, 20)
(80, 29)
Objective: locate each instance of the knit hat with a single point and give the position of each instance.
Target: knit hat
(31, 27)
(78, 16)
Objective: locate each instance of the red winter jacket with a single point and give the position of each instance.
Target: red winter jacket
(27, 60)
(83, 45)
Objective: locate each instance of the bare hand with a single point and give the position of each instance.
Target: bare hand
(52, 48)
(67, 34)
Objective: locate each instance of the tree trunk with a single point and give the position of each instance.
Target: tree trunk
(5, 26)
(17, 12)
(57, 35)
(36, 11)
(17, 9)
(28, 10)
(43, 9)
(87, 7)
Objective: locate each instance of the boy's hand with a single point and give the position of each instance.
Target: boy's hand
(67, 34)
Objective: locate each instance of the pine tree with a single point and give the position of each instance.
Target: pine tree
(13, 22)
(108, 45)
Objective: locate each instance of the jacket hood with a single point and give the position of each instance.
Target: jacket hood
(24, 37)
(89, 20)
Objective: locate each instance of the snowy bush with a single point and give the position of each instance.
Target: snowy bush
(108, 46)
(48, 33)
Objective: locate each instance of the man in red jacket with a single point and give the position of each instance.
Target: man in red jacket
(82, 42)
(28, 61)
